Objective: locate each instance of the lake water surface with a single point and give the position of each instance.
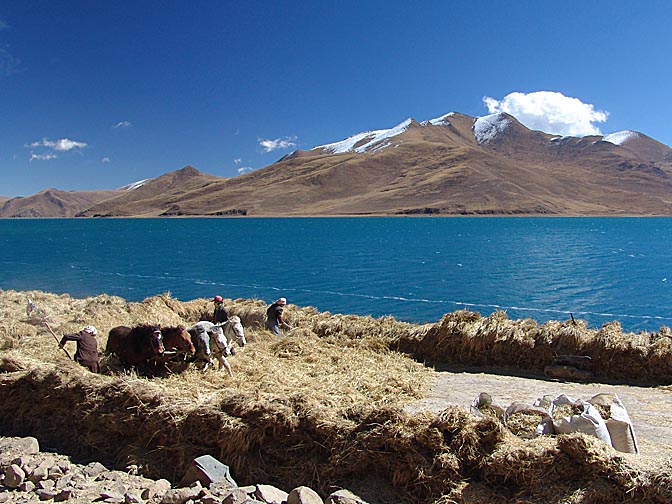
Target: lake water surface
(416, 269)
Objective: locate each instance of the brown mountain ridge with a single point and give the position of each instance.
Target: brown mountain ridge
(453, 165)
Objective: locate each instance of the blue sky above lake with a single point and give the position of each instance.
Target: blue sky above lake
(97, 95)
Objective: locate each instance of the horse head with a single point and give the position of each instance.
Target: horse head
(218, 338)
(178, 339)
(233, 328)
(200, 337)
(156, 340)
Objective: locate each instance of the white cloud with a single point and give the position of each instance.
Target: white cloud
(122, 124)
(105, 160)
(42, 157)
(62, 145)
(278, 144)
(550, 112)
(237, 161)
(245, 169)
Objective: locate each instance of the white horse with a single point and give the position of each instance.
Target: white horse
(217, 340)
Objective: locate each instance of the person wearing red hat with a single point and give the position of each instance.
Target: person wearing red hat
(221, 314)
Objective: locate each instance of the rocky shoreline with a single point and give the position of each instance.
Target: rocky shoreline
(28, 475)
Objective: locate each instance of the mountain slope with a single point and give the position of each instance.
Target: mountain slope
(53, 203)
(451, 165)
(459, 165)
(161, 196)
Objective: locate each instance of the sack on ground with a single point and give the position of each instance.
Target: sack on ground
(584, 418)
(526, 420)
(484, 405)
(618, 422)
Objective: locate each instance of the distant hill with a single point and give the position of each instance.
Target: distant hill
(53, 203)
(452, 165)
(161, 196)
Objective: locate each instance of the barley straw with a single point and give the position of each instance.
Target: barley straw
(324, 406)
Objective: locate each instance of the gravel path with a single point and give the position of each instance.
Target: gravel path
(650, 409)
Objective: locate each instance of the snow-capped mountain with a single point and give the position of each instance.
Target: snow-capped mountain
(369, 141)
(453, 164)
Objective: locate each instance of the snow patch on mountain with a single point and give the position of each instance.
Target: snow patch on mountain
(439, 121)
(487, 128)
(134, 185)
(367, 141)
(620, 137)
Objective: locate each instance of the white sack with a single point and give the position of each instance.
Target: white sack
(619, 424)
(588, 422)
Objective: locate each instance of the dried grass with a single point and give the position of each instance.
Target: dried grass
(467, 339)
(524, 423)
(322, 406)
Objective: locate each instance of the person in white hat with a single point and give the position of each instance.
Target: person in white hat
(274, 320)
(87, 347)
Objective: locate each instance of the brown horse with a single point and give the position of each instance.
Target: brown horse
(135, 346)
(177, 340)
(178, 351)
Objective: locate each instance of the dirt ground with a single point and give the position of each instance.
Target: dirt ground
(650, 409)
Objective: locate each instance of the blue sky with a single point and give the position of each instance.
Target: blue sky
(96, 94)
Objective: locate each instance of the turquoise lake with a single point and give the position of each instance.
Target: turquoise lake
(416, 269)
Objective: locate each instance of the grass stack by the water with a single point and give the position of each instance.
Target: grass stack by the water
(323, 406)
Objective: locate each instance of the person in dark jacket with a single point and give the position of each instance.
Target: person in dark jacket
(274, 320)
(87, 347)
(221, 314)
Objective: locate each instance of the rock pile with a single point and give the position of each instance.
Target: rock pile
(28, 475)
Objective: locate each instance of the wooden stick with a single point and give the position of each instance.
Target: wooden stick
(57, 340)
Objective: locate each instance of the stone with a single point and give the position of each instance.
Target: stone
(27, 486)
(344, 497)
(40, 472)
(94, 469)
(236, 496)
(46, 484)
(27, 445)
(112, 494)
(65, 495)
(46, 494)
(14, 476)
(207, 470)
(24, 463)
(304, 495)
(109, 475)
(156, 489)
(208, 498)
(270, 494)
(55, 473)
(132, 498)
(64, 482)
(181, 495)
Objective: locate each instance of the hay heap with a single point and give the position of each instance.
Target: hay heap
(321, 407)
(465, 338)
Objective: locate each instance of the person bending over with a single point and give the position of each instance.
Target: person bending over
(274, 320)
(87, 347)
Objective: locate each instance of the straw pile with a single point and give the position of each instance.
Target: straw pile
(321, 407)
(524, 423)
(467, 339)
